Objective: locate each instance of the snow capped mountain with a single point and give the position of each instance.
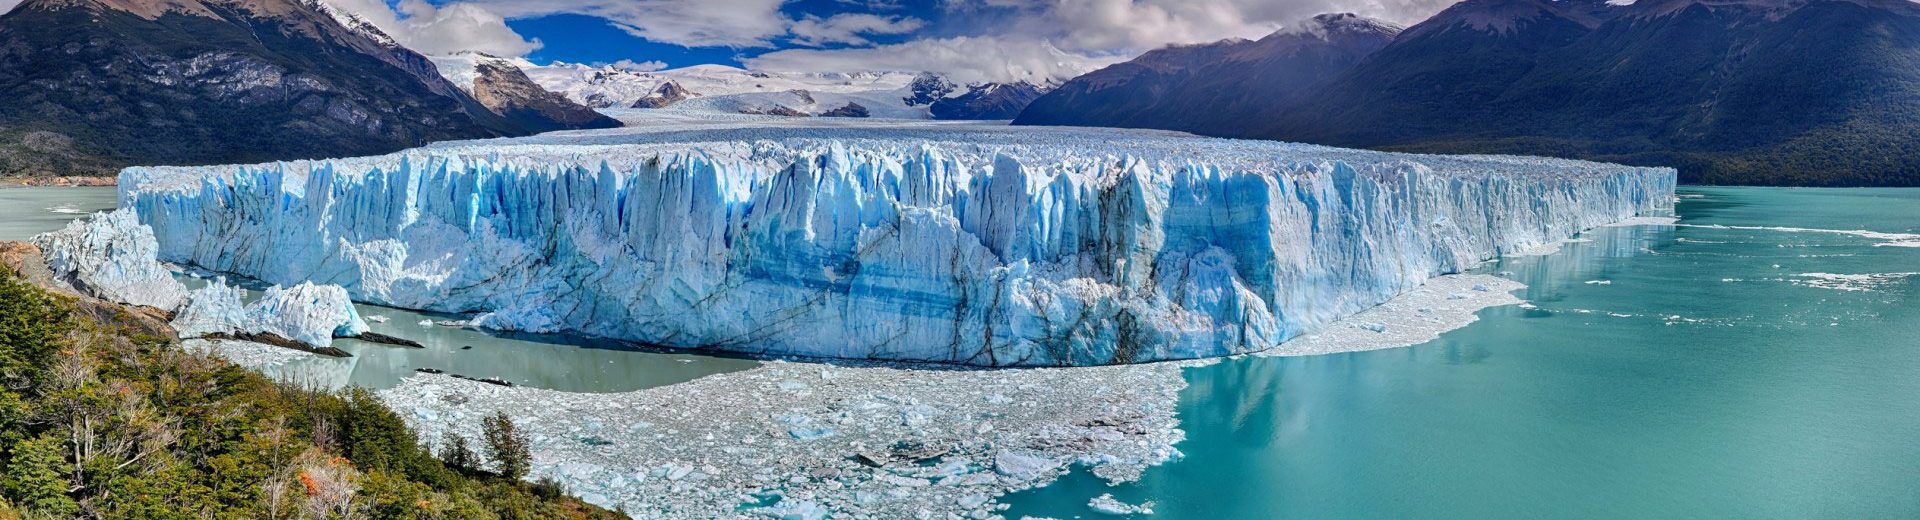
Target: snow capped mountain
(353, 22)
(500, 85)
(724, 89)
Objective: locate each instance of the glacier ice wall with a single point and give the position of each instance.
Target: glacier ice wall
(112, 256)
(960, 250)
(306, 313)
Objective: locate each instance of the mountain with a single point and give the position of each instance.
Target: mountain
(732, 90)
(1784, 92)
(499, 85)
(88, 86)
(987, 101)
(1229, 84)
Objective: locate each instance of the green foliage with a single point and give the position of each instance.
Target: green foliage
(36, 478)
(457, 454)
(508, 448)
(100, 424)
(32, 323)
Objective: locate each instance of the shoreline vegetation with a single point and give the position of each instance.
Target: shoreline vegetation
(103, 415)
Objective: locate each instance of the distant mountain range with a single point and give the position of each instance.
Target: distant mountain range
(89, 86)
(1230, 84)
(1792, 92)
(724, 89)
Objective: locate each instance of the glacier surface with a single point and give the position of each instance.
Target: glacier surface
(949, 243)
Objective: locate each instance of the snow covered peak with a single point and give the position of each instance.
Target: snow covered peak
(463, 68)
(353, 22)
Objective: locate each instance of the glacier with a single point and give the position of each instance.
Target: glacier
(307, 313)
(112, 256)
(965, 244)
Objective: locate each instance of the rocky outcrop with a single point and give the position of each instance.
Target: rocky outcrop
(775, 110)
(851, 109)
(664, 96)
(505, 90)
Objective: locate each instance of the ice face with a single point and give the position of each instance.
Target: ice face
(307, 313)
(950, 244)
(113, 257)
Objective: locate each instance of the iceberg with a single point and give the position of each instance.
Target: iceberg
(973, 245)
(306, 313)
(112, 256)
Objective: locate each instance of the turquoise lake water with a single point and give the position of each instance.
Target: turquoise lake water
(1697, 376)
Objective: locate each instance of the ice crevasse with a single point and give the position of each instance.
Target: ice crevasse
(999, 254)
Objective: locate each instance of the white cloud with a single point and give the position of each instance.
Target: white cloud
(639, 66)
(691, 23)
(8, 5)
(428, 29)
(1038, 40)
(849, 28)
(962, 59)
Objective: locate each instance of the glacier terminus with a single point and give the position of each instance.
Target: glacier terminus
(970, 244)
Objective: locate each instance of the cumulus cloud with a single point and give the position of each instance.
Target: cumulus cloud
(965, 59)
(431, 29)
(849, 28)
(1041, 40)
(1139, 25)
(691, 23)
(639, 66)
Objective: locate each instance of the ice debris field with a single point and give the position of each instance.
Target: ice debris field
(969, 244)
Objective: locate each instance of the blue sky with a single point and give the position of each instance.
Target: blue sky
(579, 38)
(969, 40)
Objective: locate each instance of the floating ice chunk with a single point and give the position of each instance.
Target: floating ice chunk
(793, 510)
(1022, 466)
(306, 313)
(112, 256)
(1106, 504)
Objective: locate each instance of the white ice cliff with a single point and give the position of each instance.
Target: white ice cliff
(306, 313)
(974, 245)
(112, 257)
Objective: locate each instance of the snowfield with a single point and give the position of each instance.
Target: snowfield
(955, 243)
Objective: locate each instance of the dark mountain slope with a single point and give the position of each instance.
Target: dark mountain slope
(212, 81)
(1814, 92)
(1229, 84)
(1794, 92)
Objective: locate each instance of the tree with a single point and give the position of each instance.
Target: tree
(32, 324)
(35, 480)
(456, 453)
(507, 447)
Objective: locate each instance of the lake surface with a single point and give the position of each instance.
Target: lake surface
(25, 212)
(1666, 372)
(554, 362)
